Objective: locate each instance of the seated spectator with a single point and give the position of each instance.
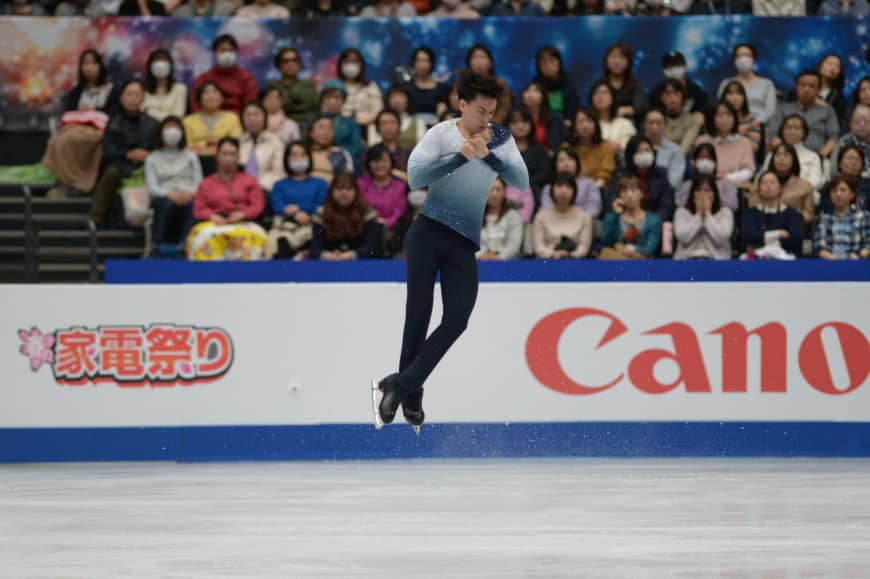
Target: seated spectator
(261, 151)
(388, 9)
(703, 227)
(328, 159)
(207, 8)
(73, 154)
(452, 111)
(523, 200)
(396, 245)
(736, 161)
(861, 96)
(562, 230)
(173, 175)
(858, 136)
(682, 127)
(695, 101)
(236, 84)
(164, 96)
(588, 197)
(618, 74)
(479, 59)
(851, 166)
(844, 8)
(387, 127)
(130, 136)
(548, 127)
(772, 227)
(363, 98)
(226, 204)
(629, 231)
(596, 154)
(748, 126)
(797, 193)
(723, 7)
(550, 74)
(348, 134)
(534, 154)
(502, 234)
(760, 90)
(383, 192)
(412, 128)
(517, 9)
(426, 95)
(301, 102)
(844, 233)
(669, 156)
(830, 69)
(824, 129)
(277, 122)
(704, 163)
(142, 8)
(779, 7)
(455, 9)
(640, 163)
(345, 227)
(616, 130)
(263, 9)
(792, 132)
(203, 129)
(294, 201)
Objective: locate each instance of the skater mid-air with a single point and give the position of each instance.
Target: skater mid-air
(458, 160)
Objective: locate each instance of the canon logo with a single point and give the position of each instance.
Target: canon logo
(542, 349)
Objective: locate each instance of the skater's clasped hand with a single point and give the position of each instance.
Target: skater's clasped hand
(474, 148)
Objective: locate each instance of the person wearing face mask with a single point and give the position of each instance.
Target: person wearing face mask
(704, 163)
(294, 200)
(237, 84)
(364, 99)
(844, 233)
(173, 174)
(129, 138)
(760, 91)
(703, 227)
(640, 163)
(696, 101)
(164, 96)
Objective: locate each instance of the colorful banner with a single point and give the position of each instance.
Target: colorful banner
(303, 354)
(38, 63)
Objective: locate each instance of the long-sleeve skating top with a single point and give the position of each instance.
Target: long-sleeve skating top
(459, 188)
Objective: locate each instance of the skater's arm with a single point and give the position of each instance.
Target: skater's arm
(509, 165)
(427, 164)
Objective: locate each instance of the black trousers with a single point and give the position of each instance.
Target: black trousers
(432, 248)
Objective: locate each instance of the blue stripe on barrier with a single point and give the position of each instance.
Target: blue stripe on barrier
(358, 441)
(157, 271)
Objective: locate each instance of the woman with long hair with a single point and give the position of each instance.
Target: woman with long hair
(345, 227)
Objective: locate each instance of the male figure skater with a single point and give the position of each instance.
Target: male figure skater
(458, 161)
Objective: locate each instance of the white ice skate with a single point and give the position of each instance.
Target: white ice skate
(376, 400)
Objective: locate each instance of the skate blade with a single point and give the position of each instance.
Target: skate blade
(379, 423)
(416, 428)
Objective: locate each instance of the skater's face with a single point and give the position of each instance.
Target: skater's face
(769, 188)
(477, 114)
(566, 164)
(842, 195)
(344, 195)
(496, 195)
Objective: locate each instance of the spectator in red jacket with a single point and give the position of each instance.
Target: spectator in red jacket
(237, 84)
(228, 196)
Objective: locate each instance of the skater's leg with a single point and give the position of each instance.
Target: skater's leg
(459, 283)
(421, 263)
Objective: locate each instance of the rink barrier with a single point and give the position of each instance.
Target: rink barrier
(438, 441)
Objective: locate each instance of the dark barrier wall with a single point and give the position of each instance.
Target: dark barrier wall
(39, 57)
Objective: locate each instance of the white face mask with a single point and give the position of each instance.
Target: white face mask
(677, 72)
(744, 63)
(417, 197)
(226, 59)
(705, 166)
(350, 69)
(298, 165)
(160, 69)
(171, 136)
(643, 160)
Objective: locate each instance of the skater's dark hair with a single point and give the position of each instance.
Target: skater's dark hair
(564, 179)
(470, 84)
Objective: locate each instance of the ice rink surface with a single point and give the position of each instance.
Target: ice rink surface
(692, 518)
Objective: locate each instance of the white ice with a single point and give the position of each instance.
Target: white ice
(755, 518)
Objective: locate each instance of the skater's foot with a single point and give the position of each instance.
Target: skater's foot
(412, 408)
(390, 400)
